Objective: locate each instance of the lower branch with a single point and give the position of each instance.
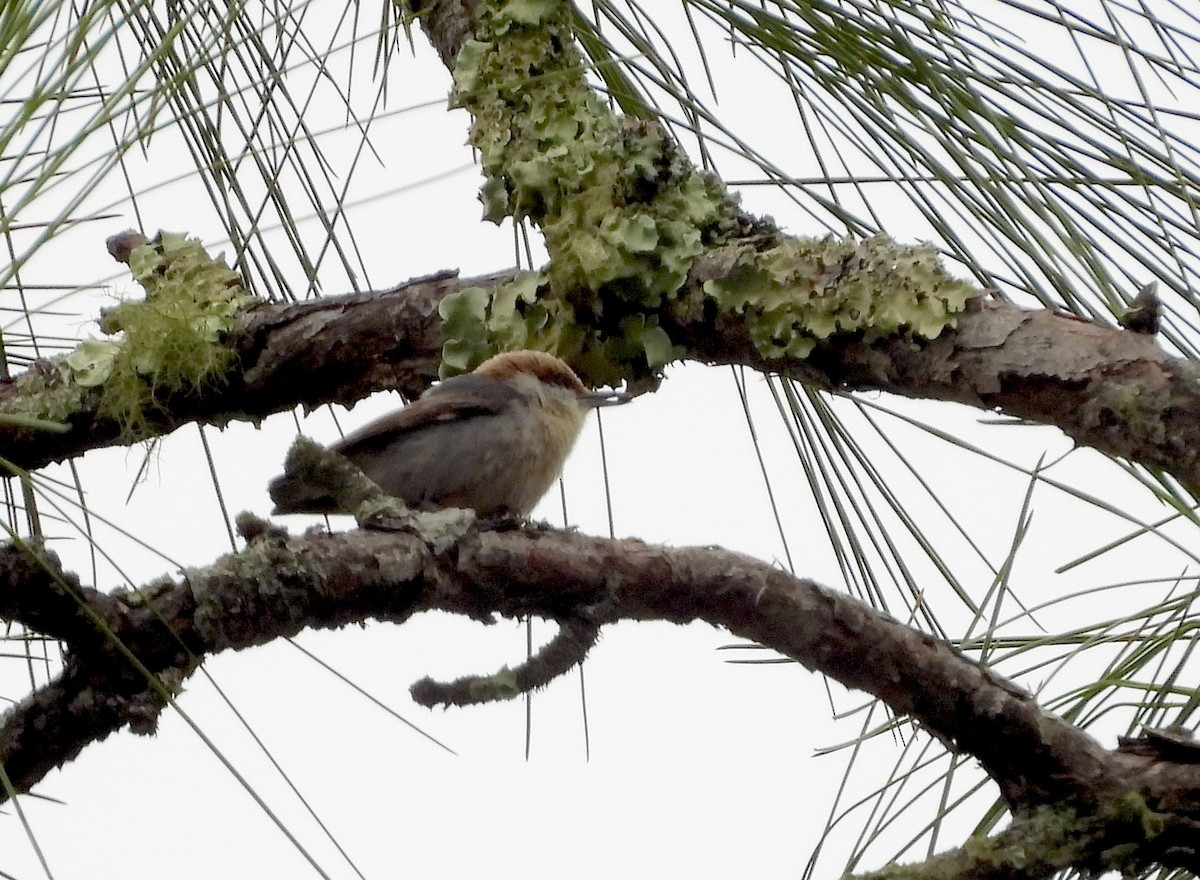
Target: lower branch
(281, 585)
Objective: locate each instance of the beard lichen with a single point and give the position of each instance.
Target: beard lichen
(168, 344)
(173, 340)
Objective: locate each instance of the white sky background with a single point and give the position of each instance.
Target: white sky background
(698, 767)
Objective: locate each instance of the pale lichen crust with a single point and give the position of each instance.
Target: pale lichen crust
(625, 216)
(805, 290)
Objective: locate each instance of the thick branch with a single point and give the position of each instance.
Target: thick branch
(279, 586)
(1110, 389)
(1107, 388)
(337, 349)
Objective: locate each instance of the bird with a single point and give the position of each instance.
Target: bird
(1144, 314)
(493, 440)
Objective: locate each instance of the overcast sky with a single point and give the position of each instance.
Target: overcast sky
(698, 767)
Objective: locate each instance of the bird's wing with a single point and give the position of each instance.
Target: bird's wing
(463, 397)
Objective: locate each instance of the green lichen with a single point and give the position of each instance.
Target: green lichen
(807, 289)
(173, 340)
(169, 343)
(1047, 836)
(625, 216)
(45, 393)
(503, 685)
(622, 212)
(1132, 808)
(479, 323)
(91, 363)
(1050, 838)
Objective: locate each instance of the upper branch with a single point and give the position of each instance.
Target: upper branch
(337, 349)
(1107, 388)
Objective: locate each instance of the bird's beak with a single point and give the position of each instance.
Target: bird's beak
(605, 398)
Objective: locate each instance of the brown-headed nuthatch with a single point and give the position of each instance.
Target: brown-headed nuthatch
(1144, 314)
(493, 440)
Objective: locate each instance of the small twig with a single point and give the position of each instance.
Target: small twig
(569, 647)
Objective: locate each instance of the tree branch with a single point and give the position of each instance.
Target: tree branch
(279, 586)
(337, 349)
(1107, 388)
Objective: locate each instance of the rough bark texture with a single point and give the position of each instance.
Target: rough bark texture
(339, 349)
(281, 585)
(1107, 388)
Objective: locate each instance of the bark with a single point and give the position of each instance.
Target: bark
(1112, 389)
(1107, 388)
(281, 585)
